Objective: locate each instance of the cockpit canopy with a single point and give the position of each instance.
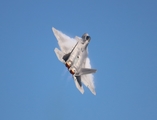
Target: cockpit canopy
(86, 37)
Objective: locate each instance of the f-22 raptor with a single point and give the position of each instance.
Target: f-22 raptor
(74, 54)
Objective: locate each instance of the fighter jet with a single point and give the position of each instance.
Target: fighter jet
(74, 54)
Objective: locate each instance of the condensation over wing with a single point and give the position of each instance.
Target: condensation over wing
(65, 43)
(88, 80)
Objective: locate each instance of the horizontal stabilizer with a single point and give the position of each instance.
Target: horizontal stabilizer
(84, 71)
(59, 55)
(77, 80)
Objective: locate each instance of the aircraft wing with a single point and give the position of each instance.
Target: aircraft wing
(88, 79)
(65, 43)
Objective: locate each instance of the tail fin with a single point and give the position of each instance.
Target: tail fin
(59, 55)
(77, 80)
(86, 71)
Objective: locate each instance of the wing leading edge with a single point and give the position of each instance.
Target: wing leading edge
(65, 42)
(86, 79)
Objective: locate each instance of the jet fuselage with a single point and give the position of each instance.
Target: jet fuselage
(77, 56)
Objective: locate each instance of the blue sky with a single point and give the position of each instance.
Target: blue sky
(34, 85)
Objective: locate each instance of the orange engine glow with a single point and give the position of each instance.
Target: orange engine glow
(72, 71)
(68, 64)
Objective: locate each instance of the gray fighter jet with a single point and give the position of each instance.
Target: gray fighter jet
(74, 54)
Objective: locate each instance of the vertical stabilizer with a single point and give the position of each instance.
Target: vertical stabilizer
(78, 83)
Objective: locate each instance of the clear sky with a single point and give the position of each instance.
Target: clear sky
(34, 85)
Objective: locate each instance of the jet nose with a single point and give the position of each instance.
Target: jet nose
(86, 37)
(86, 34)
